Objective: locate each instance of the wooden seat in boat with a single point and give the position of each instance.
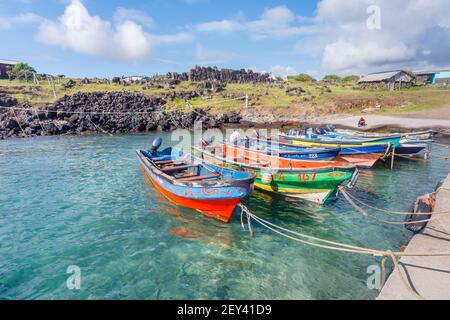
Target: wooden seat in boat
(198, 178)
(178, 168)
(160, 162)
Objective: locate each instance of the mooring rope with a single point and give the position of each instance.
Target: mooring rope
(336, 246)
(352, 198)
(18, 123)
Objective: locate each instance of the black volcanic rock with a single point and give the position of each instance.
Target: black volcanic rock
(7, 101)
(222, 75)
(116, 112)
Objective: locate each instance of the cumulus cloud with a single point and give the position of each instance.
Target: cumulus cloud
(276, 22)
(9, 22)
(282, 71)
(125, 14)
(413, 34)
(82, 32)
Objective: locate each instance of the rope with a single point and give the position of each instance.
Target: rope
(364, 213)
(18, 122)
(336, 246)
(121, 113)
(442, 145)
(39, 121)
(345, 193)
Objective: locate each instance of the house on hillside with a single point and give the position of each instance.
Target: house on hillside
(6, 65)
(391, 80)
(132, 79)
(434, 77)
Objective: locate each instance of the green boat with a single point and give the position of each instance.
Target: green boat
(311, 184)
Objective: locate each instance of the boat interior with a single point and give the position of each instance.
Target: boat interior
(184, 170)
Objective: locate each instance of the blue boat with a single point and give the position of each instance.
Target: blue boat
(273, 148)
(310, 139)
(212, 190)
(357, 149)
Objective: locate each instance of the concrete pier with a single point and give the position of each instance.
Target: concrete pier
(427, 276)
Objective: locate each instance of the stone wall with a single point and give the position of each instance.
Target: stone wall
(221, 75)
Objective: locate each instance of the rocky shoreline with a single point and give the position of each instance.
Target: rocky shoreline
(114, 112)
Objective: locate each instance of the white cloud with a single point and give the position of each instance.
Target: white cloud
(276, 22)
(9, 22)
(125, 14)
(78, 30)
(414, 34)
(282, 71)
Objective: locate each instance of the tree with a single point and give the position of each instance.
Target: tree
(331, 77)
(351, 78)
(19, 70)
(303, 77)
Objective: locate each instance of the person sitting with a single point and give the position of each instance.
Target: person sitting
(362, 122)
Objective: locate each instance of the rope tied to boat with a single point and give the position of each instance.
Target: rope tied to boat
(337, 246)
(352, 200)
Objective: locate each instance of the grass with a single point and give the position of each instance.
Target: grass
(343, 98)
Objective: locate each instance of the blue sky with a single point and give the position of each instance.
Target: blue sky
(108, 38)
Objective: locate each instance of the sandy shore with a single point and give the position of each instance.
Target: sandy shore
(433, 119)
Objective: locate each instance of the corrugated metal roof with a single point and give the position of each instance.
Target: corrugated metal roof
(11, 62)
(422, 72)
(374, 77)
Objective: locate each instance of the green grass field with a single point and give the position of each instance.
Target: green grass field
(316, 98)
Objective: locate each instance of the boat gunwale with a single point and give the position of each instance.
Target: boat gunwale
(295, 160)
(311, 151)
(340, 143)
(217, 183)
(348, 168)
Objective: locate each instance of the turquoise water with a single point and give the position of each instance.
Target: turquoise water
(83, 201)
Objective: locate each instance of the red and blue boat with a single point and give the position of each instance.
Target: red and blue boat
(211, 190)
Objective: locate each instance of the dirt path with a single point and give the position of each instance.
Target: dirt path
(433, 119)
(437, 114)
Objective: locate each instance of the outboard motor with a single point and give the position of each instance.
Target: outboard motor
(205, 141)
(293, 132)
(320, 131)
(155, 145)
(330, 128)
(305, 129)
(234, 138)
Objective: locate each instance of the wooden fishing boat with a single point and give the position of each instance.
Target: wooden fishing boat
(313, 181)
(364, 157)
(423, 136)
(211, 190)
(299, 153)
(312, 140)
(411, 149)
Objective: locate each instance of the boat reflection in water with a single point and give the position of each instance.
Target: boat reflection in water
(194, 227)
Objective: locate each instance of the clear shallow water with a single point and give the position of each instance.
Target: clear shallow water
(84, 201)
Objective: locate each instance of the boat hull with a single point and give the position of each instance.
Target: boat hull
(218, 209)
(277, 149)
(214, 199)
(323, 143)
(310, 185)
(409, 150)
(362, 161)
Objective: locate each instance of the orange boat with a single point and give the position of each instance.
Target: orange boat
(233, 153)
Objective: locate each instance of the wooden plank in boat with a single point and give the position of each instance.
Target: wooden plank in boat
(197, 178)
